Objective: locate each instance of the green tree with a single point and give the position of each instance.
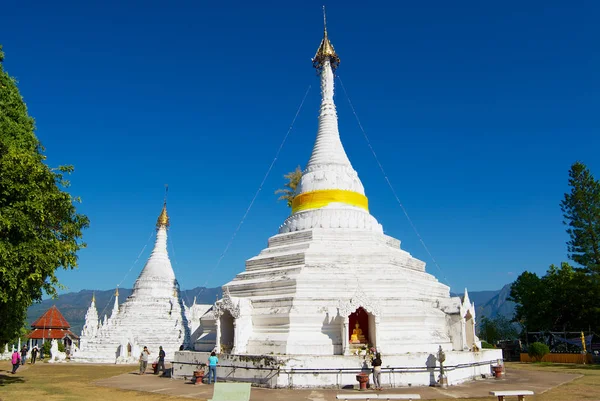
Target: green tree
(495, 329)
(293, 179)
(40, 229)
(581, 212)
(565, 298)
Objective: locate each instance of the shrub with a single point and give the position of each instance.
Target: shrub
(61, 347)
(537, 351)
(46, 348)
(485, 344)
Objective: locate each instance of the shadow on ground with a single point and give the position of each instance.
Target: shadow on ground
(10, 379)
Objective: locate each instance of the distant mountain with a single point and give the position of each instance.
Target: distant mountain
(492, 303)
(74, 305)
(497, 305)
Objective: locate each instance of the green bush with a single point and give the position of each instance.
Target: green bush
(46, 349)
(61, 347)
(485, 344)
(537, 351)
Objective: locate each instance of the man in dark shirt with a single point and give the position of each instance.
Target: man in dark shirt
(161, 360)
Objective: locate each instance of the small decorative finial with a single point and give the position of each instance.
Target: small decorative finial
(94, 297)
(325, 50)
(117, 292)
(163, 219)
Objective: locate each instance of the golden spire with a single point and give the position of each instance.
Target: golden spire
(163, 219)
(117, 292)
(94, 296)
(325, 50)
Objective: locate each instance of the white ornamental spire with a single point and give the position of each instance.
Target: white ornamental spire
(90, 328)
(329, 194)
(115, 310)
(157, 279)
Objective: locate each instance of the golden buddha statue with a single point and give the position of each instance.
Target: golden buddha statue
(357, 336)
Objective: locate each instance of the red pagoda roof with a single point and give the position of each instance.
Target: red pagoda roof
(51, 319)
(48, 334)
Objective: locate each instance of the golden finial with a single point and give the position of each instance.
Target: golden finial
(163, 219)
(94, 297)
(117, 292)
(325, 50)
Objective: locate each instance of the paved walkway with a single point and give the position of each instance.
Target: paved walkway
(538, 382)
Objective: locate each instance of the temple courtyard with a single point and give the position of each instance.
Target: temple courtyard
(550, 382)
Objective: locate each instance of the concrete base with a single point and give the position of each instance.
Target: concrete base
(305, 371)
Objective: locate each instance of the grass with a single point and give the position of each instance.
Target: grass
(66, 382)
(584, 388)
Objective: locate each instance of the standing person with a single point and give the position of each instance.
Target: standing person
(144, 360)
(23, 354)
(34, 353)
(376, 362)
(161, 360)
(16, 361)
(212, 367)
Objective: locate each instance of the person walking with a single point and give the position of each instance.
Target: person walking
(23, 354)
(16, 361)
(376, 362)
(144, 360)
(212, 367)
(161, 360)
(34, 353)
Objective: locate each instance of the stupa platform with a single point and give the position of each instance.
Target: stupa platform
(339, 371)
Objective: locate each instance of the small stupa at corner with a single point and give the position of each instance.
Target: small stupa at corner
(153, 315)
(331, 287)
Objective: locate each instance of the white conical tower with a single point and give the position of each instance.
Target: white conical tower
(329, 194)
(115, 310)
(153, 315)
(90, 328)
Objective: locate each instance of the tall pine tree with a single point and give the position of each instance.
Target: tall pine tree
(581, 212)
(40, 229)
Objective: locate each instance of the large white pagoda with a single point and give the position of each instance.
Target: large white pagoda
(331, 284)
(153, 315)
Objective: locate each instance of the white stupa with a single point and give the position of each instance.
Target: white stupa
(331, 284)
(153, 315)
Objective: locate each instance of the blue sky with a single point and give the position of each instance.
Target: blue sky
(475, 109)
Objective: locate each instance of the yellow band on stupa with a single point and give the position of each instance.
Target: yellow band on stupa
(317, 199)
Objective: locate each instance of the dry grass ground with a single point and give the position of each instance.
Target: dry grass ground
(67, 382)
(584, 388)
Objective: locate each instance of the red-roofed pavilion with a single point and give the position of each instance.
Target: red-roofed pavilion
(52, 325)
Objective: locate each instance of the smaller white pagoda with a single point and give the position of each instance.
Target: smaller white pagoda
(153, 315)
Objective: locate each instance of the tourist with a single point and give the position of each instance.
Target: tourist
(23, 354)
(212, 367)
(144, 360)
(161, 360)
(376, 362)
(16, 361)
(34, 353)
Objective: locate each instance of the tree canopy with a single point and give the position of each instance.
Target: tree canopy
(289, 190)
(581, 211)
(40, 229)
(567, 297)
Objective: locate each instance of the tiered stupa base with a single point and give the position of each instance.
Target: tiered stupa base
(337, 371)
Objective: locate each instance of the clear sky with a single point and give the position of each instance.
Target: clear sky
(476, 110)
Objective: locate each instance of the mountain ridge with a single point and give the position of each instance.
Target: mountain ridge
(74, 305)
